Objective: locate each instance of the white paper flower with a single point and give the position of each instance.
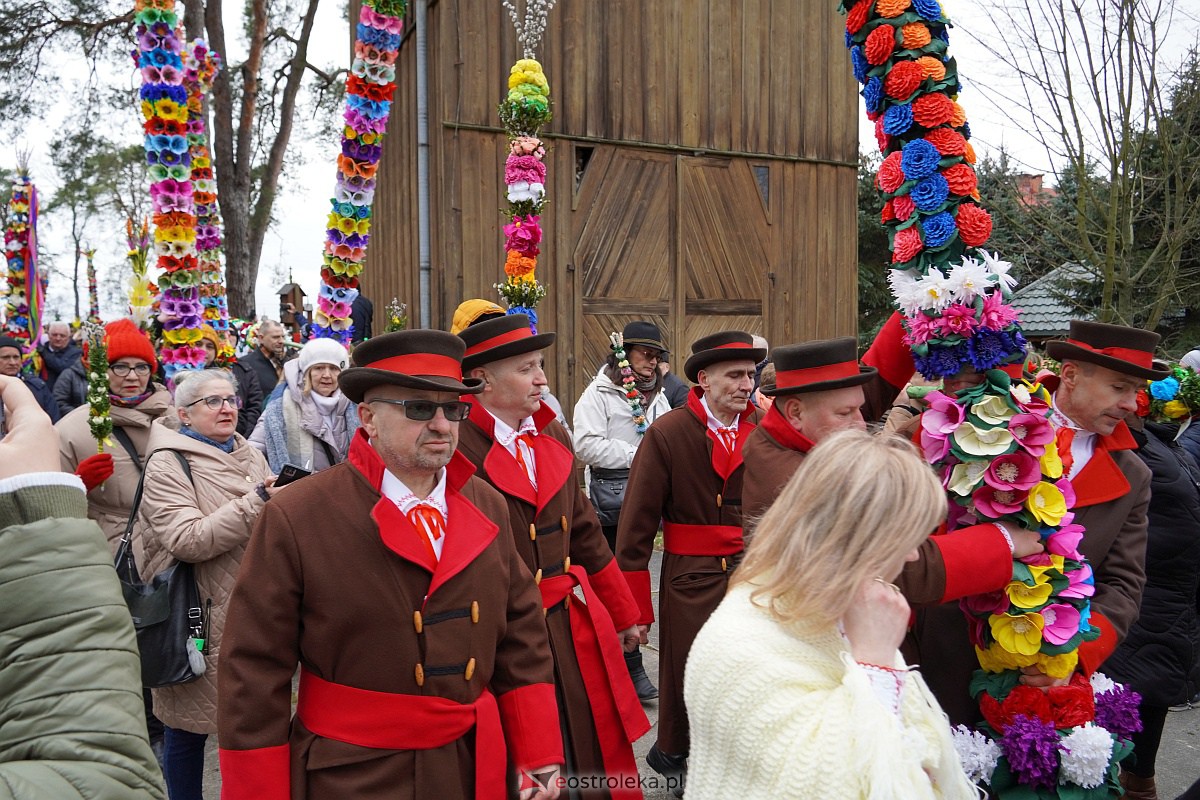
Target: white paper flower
(907, 291)
(1084, 755)
(998, 267)
(993, 410)
(1021, 393)
(1101, 683)
(965, 477)
(977, 753)
(935, 292)
(982, 441)
(523, 190)
(968, 280)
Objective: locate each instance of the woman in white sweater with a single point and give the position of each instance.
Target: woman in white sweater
(795, 687)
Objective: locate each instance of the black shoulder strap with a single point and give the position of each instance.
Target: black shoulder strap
(137, 495)
(329, 453)
(122, 436)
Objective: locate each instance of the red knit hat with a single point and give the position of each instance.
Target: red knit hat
(123, 339)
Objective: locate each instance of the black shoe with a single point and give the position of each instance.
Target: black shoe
(669, 766)
(641, 681)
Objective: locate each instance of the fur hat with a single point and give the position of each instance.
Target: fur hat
(1129, 351)
(501, 338)
(323, 351)
(417, 359)
(818, 367)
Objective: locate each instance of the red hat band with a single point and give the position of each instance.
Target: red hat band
(522, 332)
(425, 364)
(1139, 358)
(791, 378)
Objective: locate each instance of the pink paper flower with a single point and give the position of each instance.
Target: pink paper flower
(1065, 542)
(997, 315)
(1080, 583)
(943, 416)
(1062, 622)
(985, 604)
(920, 329)
(996, 503)
(1068, 493)
(903, 207)
(1015, 471)
(523, 235)
(1032, 432)
(526, 169)
(958, 319)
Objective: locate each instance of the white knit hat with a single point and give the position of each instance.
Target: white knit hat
(323, 351)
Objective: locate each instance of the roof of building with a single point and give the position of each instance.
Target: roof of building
(1044, 312)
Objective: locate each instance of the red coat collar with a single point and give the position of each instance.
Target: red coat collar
(724, 463)
(554, 461)
(468, 533)
(1101, 479)
(782, 432)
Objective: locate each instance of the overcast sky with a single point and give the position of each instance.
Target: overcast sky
(990, 98)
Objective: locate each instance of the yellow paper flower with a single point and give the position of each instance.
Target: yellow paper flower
(1052, 466)
(993, 410)
(1039, 570)
(1018, 633)
(965, 477)
(1176, 409)
(1060, 666)
(982, 441)
(1022, 595)
(1046, 503)
(182, 335)
(997, 659)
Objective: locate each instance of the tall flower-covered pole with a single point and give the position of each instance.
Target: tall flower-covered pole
(523, 112)
(23, 303)
(93, 294)
(165, 108)
(200, 67)
(993, 443)
(369, 91)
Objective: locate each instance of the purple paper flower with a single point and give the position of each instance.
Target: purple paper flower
(1031, 747)
(1117, 711)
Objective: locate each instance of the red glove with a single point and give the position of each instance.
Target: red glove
(95, 470)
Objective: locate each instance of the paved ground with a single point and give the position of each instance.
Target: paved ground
(1178, 758)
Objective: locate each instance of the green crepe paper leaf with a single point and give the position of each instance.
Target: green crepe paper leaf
(1058, 649)
(1022, 573)
(1071, 791)
(997, 684)
(1122, 749)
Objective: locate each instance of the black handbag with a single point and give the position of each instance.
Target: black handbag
(607, 491)
(170, 622)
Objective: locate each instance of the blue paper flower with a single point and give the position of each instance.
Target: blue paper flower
(938, 229)
(990, 349)
(919, 159)
(858, 60)
(928, 9)
(872, 93)
(929, 193)
(1166, 389)
(897, 119)
(942, 361)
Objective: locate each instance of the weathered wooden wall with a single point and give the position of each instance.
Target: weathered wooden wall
(702, 167)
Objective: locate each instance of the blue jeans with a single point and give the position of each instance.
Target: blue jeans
(183, 764)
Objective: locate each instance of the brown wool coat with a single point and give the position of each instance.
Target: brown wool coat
(769, 466)
(565, 526)
(110, 502)
(205, 521)
(319, 586)
(672, 479)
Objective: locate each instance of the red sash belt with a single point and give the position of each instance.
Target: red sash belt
(702, 540)
(389, 721)
(617, 712)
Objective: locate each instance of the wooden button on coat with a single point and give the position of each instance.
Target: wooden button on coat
(419, 672)
(470, 671)
(475, 611)
(537, 577)
(532, 532)
(417, 621)
(563, 522)
(719, 501)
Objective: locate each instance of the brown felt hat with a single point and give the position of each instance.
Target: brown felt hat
(818, 367)
(1129, 351)
(496, 339)
(718, 347)
(416, 359)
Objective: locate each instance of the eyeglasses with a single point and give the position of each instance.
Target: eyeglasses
(649, 354)
(423, 410)
(214, 402)
(121, 370)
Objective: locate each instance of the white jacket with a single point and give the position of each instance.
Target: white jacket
(604, 434)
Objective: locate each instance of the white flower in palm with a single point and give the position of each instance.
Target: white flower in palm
(1084, 755)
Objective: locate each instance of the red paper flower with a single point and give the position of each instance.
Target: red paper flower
(888, 213)
(932, 110)
(882, 139)
(1073, 704)
(1143, 403)
(1027, 700)
(974, 224)
(903, 80)
(857, 16)
(891, 175)
(907, 245)
(880, 44)
(948, 142)
(903, 206)
(961, 179)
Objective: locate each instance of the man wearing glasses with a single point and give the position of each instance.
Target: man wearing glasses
(393, 581)
(514, 440)
(11, 358)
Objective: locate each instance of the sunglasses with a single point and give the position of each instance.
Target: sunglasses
(214, 402)
(423, 410)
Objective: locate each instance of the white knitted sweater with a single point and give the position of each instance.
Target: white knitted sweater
(784, 712)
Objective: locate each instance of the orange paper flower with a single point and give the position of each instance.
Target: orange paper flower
(518, 266)
(932, 110)
(932, 67)
(914, 36)
(892, 8)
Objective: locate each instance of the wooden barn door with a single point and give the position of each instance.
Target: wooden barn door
(678, 240)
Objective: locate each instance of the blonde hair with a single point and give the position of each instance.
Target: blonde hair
(855, 507)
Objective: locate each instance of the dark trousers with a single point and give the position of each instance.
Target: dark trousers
(1146, 741)
(183, 764)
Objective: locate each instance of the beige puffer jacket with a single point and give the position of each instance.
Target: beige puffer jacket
(205, 521)
(110, 502)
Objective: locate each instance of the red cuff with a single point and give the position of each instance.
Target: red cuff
(976, 560)
(260, 774)
(639, 586)
(1094, 653)
(614, 592)
(889, 354)
(529, 715)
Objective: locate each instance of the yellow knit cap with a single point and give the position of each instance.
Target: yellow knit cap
(470, 310)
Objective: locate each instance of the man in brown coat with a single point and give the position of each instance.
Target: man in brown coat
(688, 474)
(1103, 366)
(517, 445)
(392, 580)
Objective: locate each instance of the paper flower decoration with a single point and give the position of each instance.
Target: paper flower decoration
(629, 384)
(99, 405)
(23, 303)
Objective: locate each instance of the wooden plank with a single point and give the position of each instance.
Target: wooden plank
(726, 308)
(692, 94)
(717, 113)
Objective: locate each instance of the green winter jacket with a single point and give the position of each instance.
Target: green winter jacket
(72, 721)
